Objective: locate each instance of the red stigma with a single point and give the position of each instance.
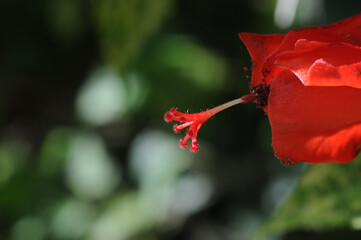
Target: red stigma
(194, 121)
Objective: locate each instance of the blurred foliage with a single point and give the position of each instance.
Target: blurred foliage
(189, 60)
(326, 197)
(125, 26)
(66, 29)
(54, 151)
(85, 153)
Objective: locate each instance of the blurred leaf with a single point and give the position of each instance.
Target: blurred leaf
(155, 159)
(91, 172)
(156, 163)
(11, 157)
(102, 98)
(54, 151)
(125, 26)
(29, 228)
(72, 219)
(65, 18)
(122, 219)
(327, 197)
(137, 91)
(192, 61)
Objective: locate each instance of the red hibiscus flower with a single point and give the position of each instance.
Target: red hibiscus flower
(308, 81)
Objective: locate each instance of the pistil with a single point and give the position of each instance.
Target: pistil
(194, 121)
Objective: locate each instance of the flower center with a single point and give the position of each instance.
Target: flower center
(261, 93)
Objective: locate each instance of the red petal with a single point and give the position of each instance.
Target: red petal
(314, 124)
(260, 47)
(289, 44)
(325, 65)
(349, 27)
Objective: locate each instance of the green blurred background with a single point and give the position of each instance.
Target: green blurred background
(84, 150)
